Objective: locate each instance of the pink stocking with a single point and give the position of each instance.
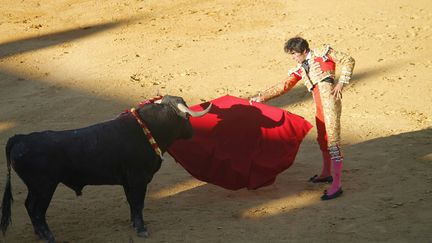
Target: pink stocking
(337, 183)
(337, 160)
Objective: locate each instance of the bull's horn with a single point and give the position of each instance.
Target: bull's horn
(185, 109)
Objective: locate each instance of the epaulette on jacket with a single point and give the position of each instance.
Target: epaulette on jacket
(322, 51)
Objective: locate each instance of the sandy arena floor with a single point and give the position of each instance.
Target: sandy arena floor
(71, 63)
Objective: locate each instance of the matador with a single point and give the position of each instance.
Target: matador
(316, 68)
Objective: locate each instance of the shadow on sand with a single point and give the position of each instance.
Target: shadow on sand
(370, 165)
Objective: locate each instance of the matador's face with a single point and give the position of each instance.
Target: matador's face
(298, 56)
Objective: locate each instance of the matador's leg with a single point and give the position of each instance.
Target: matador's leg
(331, 108)
(322, 139)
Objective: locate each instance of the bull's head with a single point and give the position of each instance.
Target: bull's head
(181, 108)
(183, 111)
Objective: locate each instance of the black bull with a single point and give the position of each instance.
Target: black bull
(115, 152)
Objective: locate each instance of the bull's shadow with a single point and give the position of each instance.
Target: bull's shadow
(227, 159)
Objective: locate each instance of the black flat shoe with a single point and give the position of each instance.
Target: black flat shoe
(316, 179)
(334, 195)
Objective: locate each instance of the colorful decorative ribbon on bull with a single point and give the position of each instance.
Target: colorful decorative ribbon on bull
(146, 131)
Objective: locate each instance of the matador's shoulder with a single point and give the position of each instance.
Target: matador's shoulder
(322, 51)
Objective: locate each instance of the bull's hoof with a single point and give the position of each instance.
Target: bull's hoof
(139, 227)
(46, 236)
(49, 239)
(143, 233)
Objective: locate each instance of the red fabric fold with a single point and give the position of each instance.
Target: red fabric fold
(239, 145)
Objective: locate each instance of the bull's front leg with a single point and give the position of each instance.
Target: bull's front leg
(135, 195)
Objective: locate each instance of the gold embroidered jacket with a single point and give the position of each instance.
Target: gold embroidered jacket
(322, 63)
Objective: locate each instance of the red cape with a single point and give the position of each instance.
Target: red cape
(239, 145)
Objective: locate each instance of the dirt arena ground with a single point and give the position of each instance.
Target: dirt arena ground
(71, 63)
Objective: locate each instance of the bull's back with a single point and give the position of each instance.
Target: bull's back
(93, 153)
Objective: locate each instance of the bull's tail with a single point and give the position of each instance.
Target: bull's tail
(7, 196)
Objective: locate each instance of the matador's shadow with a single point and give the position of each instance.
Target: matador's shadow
(227, 146)
(240, 123)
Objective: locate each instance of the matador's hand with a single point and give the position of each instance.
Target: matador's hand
(337, 91)
(256, 98)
